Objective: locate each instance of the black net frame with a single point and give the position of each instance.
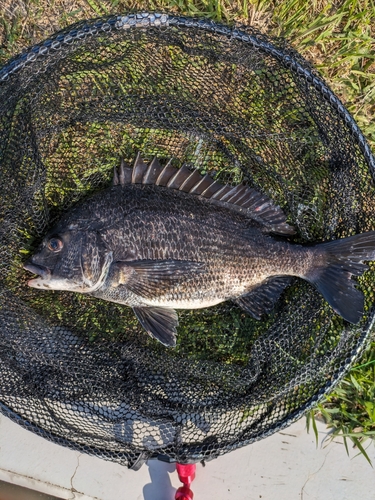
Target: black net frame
(229, 101)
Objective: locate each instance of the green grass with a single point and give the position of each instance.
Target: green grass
(349, 411)
(338, 37)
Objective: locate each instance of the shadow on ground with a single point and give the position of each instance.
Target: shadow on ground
(160, 487)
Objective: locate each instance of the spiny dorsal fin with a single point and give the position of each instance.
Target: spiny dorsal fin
(139, 169)
(177, 179)
(165, 174)
(124, 174)
(241, 198)
(153, 172)
(116, 180)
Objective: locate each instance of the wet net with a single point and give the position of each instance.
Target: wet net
(233, 103)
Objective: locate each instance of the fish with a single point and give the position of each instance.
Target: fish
(162, 238)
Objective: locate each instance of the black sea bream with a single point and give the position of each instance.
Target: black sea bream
(162, 239)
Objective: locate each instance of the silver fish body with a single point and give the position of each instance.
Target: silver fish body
(214, 254)
(162, 239)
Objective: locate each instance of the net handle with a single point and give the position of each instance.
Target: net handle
(186, 474)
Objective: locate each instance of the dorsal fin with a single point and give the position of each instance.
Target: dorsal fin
(153, 172)
(164, 176)
(139, 169)
(177, 179)
(241, 198)
(190, 181)
(201, 186)
(235, 194)
(124, 174)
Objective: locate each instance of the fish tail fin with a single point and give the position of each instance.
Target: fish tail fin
(335, 264)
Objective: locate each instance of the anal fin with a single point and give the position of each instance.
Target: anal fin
(159, 322)
(263, 298)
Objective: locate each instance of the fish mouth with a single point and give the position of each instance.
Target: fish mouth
(41, 271)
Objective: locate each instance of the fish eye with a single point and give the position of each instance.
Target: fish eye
(55, 244)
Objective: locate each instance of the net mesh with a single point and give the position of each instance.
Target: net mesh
(228, 101)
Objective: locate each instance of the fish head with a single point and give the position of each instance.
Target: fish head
(71, 260)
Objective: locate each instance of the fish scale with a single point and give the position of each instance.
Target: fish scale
(226, 249)
(163, 238)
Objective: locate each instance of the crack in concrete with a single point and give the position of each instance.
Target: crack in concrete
(72, 489)
(313, 474)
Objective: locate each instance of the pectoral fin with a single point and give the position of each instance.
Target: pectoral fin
(159, 322)
(149, 278)
(263, 298)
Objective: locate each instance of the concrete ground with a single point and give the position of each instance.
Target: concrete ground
(285, 466)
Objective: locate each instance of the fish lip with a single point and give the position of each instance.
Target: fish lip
(42, 271)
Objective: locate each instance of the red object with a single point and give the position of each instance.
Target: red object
(184, 493)
(186, 474)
